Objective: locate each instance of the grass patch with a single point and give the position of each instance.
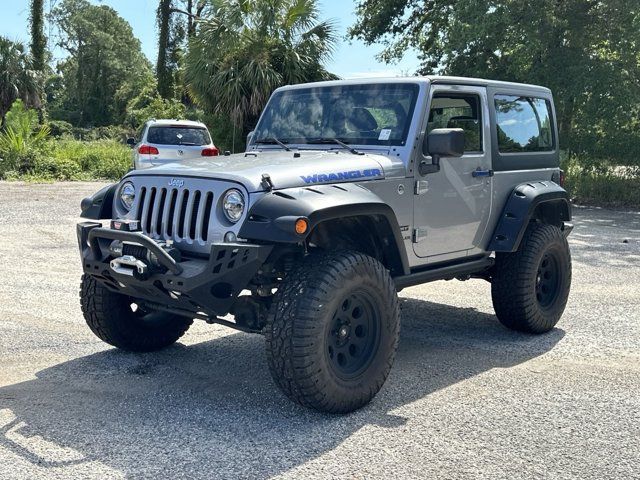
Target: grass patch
(604, 185)
(69, 159)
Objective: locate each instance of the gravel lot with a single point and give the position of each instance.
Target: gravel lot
(465, 399)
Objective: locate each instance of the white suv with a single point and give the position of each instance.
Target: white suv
(166, 141)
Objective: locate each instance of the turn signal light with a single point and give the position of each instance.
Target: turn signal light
(301, 226)
(147, 150)
(210, 152)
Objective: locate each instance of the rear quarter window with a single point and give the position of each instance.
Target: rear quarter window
(523, 124)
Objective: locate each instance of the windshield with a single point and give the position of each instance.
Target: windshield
(378, 114)
(178, 136)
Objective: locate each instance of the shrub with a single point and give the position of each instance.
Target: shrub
(60, 128)
(601, 184)
(149, 105)
(20, 138)
(98, 159)
(58, 169)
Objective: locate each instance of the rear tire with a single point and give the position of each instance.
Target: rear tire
(111, 318)
(333, 330)
(530, 287)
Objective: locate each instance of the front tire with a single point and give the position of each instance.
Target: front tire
(112, 318)
(333, 330)
(530, 287)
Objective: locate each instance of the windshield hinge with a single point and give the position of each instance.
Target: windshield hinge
(422, 187)
(267, 182)
(419, 234)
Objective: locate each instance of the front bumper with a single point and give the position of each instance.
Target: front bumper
(196, 285)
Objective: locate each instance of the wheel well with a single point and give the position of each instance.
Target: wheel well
(368, 234)
(553, 212)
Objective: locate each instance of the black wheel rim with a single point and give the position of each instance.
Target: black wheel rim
(547, 280)
(353, 336)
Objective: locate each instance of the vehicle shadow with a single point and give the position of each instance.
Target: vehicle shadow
(214, 403)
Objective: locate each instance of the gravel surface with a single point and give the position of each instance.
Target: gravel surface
(465, 399)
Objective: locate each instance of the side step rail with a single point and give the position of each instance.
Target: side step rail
(444, 272)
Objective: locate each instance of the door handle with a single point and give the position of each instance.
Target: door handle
(482, 173)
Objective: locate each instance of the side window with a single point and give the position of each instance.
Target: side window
(458, 111)
(523, 124)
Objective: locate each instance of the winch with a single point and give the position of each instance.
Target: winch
(137, 261)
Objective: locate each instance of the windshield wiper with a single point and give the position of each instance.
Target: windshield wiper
(273, 141)
(326, 140)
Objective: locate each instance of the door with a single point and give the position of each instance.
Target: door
(452, 205)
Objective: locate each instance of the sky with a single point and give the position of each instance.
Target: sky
(352, 59)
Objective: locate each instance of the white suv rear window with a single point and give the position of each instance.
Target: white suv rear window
(169, 135)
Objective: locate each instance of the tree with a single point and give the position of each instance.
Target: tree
(171, 42)
(38, 39)
(586, 51)
(245, 49)
(105, 67)
(172, 36)
(17, 78)
(149, 104)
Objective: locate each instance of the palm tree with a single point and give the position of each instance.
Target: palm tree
(17, 79)
(245, 49)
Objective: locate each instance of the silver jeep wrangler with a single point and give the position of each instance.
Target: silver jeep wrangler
(348, 192)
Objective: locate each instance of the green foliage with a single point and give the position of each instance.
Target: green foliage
(17, 79)
(150, 105)
(585, 51)
(28, 151)
(20, 137)
(60, 128)
(38, 40)
(69, 159)
(244, 50)
(171, 37)
(96, 159)
(598, 183)
(105, 67)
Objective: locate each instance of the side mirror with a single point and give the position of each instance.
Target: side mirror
(249, 138)
(441, 142)
(131, 141)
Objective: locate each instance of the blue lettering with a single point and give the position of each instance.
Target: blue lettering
(310, 178)
(332, 177)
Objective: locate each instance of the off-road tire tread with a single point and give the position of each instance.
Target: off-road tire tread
(108, 316)
(292, 329)
(514, 299)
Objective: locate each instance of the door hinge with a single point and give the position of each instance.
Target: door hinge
(422, 187)
(419, 234)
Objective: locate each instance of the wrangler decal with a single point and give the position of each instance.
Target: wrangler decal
(332, 177)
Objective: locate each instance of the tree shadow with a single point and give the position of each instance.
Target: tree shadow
(214, 403)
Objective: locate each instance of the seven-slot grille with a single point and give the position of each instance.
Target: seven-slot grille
(179, 215)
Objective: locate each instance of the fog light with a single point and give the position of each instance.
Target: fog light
(230, 237)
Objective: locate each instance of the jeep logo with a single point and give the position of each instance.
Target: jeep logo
(175, 182)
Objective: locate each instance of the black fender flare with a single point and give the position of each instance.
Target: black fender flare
(272, 218)
(99, 206)
(545, 201)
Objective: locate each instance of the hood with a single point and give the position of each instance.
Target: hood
(286, 169)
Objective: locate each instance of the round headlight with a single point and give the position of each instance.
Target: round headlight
(233, 205)
(127, 195)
